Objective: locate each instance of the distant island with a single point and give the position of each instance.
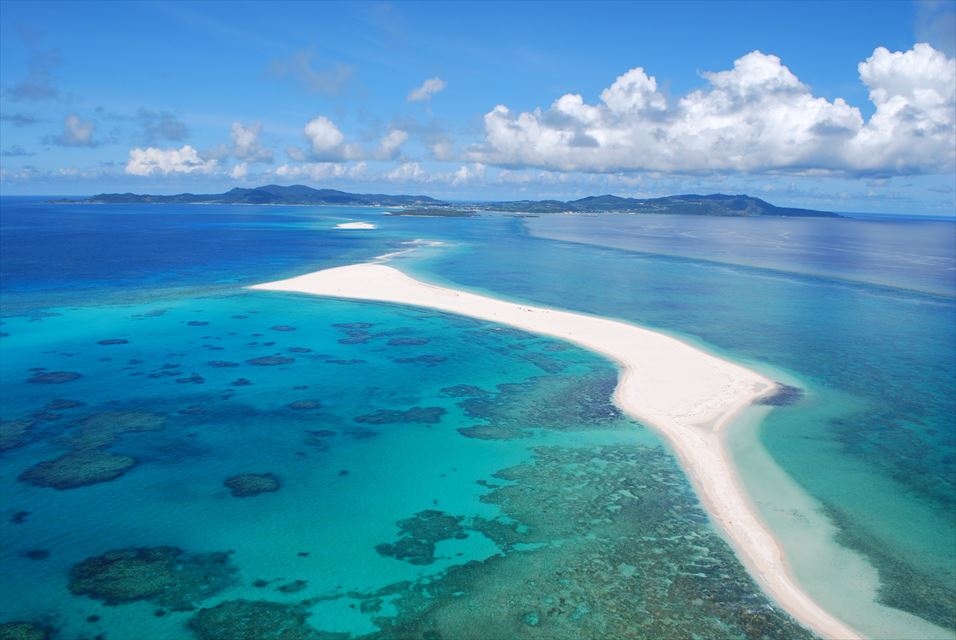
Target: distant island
(702, 205)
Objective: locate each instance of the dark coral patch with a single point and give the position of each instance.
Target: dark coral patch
(345, 362)
(197, 323)
(61, 404)
(270, 361)
(299, 350)
(354, 325)
(222, 364)
(110, 341)
(103, 429)
(19, 630)
(303, 405)
(36, 554)
(254, 620)
(464, 391)
(54, 377)
(420, 534)
(246, 485)
(360, 434)
(407, 342)
(19, 517)
(492, 432)
(166, 576)
(282, 327)
(193, 379)
(293, 587)
(241, 382)
(14, 433)
(77, 469)
(424, 415)
(428, 359)
(783, 396)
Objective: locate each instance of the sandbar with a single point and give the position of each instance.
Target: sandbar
(683, 392)
(355, 225)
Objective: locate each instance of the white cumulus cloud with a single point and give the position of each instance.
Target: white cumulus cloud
(756, 117)
(152, 160)
(428, 88)
(246, 145)
(318, 171)
(239, 171)
(407, 172)
(390, 145)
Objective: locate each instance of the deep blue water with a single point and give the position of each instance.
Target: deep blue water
(507, 443)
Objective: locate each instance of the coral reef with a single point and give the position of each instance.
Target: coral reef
(305, 404)
(87, 462)
(77, 469)
(246, 485)
(429, 359)
(14, 433)
(270, 361)
(24, 631)
(256, 620)
(54, 377)
(407, 342)
(423, 415)
(420, 534)
(783, 396)
(165, 576)
(464, 391)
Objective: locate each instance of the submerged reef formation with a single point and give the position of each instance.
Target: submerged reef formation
(423, 415)
(77, 469)
(304, 405)
(256, 620)
(88, 461)
(420, 534)
(464, 391)
(546, 402)
(599, 542)
(165, 576)
(54, 377)
(270, 361)
(24, 631)
(14, 433)
(784, 395)
(428, 359)
(407, 342)
(246, 485)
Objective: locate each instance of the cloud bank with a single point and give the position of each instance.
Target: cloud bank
(151, 161)
(755, 118)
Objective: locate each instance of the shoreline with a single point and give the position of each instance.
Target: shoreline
(685, 394)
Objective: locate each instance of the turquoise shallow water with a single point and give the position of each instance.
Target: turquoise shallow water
(442, 478)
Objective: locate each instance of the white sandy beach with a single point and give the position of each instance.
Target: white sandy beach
(355, 225)
(683, 392)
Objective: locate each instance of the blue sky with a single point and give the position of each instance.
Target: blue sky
(828, 105)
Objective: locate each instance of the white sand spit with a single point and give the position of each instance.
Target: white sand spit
(683, 392)
(355, 225)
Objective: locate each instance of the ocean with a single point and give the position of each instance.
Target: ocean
(184, 458)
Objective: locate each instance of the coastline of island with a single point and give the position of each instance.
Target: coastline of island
(686, 394)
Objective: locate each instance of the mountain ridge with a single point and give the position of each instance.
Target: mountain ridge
(718, 204)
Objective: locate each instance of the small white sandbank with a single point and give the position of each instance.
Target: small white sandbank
(355, 225)
(683, 392)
